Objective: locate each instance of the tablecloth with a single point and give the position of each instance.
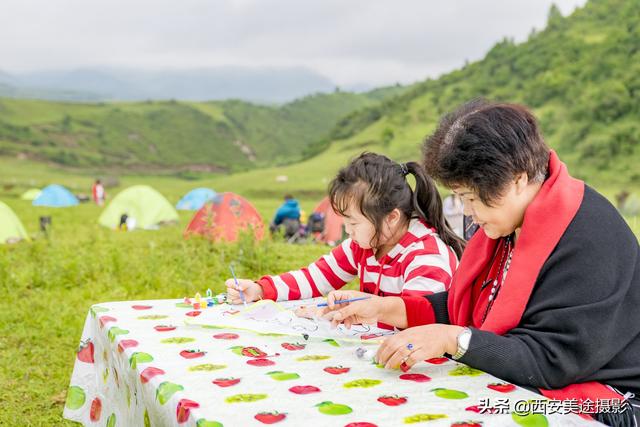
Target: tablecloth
(143, 364)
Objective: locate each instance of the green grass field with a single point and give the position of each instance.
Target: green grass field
(47, 285)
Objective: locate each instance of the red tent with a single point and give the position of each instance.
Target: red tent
(225, 217)
(333, 223)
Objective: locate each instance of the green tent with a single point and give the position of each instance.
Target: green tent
(10, 226)
(144, 207)
(31, 194)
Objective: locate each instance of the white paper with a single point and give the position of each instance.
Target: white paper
(267, 316)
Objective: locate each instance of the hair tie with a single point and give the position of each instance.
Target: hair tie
(403, 169)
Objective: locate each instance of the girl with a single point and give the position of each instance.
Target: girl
(399, 242)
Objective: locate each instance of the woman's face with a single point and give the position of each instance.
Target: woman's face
(505, 214)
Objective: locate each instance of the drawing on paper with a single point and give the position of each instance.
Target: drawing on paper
(267, 316)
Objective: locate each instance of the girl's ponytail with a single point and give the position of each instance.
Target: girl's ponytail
(428, 205)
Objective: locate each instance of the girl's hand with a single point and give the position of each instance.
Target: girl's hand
(251, 290)
(311, 311)
(416, 344)
(359, 312)
(334, 296)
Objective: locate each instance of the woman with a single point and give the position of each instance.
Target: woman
(547, 293)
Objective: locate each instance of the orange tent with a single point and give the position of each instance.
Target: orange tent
(333, 224)
(225, 217)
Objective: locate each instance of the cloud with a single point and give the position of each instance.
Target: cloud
(351, 42)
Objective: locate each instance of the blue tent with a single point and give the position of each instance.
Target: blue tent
(55, 196)
(195, 199)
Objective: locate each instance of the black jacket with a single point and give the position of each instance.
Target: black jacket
(582, 321)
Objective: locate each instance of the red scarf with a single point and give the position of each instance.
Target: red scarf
(545, 221)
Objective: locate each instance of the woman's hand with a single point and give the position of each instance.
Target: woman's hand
(251, 290)
(358, 312)
(307, 311)
(416, 344)
(389, 310)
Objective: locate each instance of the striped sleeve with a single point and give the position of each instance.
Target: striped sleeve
(428, 270)
(330, 272)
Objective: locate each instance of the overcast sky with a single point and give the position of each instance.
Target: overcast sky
(370, 42)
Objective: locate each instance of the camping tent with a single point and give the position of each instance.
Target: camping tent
(10, 226)
(31, 194)
(333, 223)
(225, 217)
(142, 203)
(195, 199)
(55, 196)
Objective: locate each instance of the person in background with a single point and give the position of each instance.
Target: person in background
(452, 207)
(287, 217)
(98, 193)
(122, 226)
(470, 227)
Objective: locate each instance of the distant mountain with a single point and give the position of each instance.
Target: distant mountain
(168, 136)
(6, 78)
(265, 85)
(11, 88)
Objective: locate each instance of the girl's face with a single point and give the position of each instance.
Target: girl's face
(359, 228)
(362, 231)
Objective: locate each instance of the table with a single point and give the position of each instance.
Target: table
(141, 364)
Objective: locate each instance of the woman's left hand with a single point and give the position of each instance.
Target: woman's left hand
(417, 344)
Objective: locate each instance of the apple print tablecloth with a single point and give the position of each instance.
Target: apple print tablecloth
(140, 364)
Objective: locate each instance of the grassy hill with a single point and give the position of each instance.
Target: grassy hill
(158, 136)
(581, 75)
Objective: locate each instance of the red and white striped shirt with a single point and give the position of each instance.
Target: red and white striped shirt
(419, 264)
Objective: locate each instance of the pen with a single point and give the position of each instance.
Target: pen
(233, 273)
(324, 304)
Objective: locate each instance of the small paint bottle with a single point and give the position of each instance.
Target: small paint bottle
(365, 353)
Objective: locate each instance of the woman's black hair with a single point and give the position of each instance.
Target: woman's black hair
(484, 146)
(378, 185)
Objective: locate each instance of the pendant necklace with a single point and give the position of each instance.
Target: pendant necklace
(497, 284)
